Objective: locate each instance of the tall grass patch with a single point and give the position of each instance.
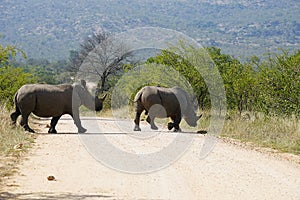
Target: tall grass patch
(275, 132)
(280, 133)
(13, 142)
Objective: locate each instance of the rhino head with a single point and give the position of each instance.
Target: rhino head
(93, 103)
(188, 108)
(99, 102)
(191, 119)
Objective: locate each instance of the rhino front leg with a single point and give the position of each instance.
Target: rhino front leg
(150, 120)
(175, 124)
(53, 123)
(77, 122)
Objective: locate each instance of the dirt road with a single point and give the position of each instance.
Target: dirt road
(228, 172)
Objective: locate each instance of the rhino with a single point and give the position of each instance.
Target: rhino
(45, 100)
(162, 103)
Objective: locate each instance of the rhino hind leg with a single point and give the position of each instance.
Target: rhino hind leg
(156, 110)
(14, 116)
(27, 128)
(53, 123)
(137, 121)
(24, 123)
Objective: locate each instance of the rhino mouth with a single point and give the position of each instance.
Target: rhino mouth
(193, 125)
(191, 122)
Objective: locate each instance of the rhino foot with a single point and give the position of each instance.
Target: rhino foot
(137, 128)
(82, 130)
(29, 130)
(177, 130)
(153, 127)
(170, 125)
(52, 130)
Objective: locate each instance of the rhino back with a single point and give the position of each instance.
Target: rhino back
(152, 95)
(169, 101)
(45, 100)
(149, 97)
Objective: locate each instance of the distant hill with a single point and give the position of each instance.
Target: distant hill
(50, 29)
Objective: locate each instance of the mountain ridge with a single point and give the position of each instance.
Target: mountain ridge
(50, 29)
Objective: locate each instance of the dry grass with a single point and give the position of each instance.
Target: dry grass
(275, 132)
(13, 143)
(125, 112)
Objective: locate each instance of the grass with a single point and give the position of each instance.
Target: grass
(282, 134)
(126, 112)
(279, 133)
(13, 143)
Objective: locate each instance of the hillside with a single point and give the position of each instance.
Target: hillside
(50, 29)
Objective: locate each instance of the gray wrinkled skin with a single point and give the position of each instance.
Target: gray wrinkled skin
(162, 103)
(53, 101)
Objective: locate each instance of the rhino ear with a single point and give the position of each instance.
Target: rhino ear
(83, 83)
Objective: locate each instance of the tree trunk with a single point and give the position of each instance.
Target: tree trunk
(240, 105)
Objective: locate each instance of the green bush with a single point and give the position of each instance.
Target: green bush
(11, 79)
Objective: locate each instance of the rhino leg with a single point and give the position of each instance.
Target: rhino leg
(82, 130)
(53, 123)
(170, 125)
(150, 120)
(24, 123)
(137, 128)
(175, 124)
(137, 121)
(14, 116)
(77, 121)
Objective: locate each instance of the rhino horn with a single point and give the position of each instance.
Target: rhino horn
(198, 117)
(103, 98)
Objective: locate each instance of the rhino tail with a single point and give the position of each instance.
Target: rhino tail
(138, 96)
(15, 100)
(132, 101)
(138, 102)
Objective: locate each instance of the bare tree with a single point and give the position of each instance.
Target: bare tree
(101, 55)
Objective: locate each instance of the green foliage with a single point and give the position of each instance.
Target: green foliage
(271, 86)
(147, 74)
(7, 53)
(11, 79)
(48, 72)
(280, 82)
(239, 80)
(184, 60)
